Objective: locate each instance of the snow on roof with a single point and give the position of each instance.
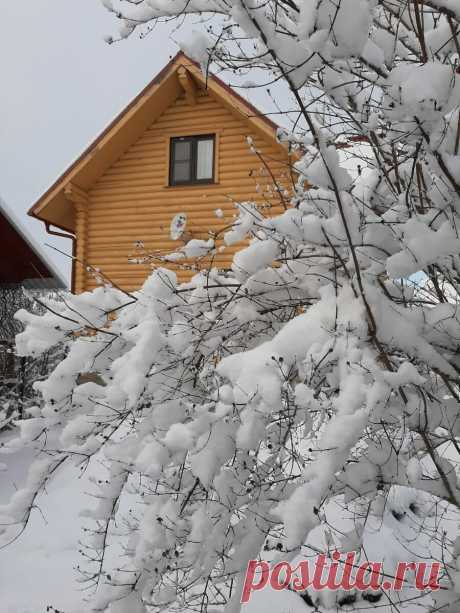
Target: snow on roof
(49, 276)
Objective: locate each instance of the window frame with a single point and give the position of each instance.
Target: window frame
(193, 139)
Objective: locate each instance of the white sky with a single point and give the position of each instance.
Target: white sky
(60, 86)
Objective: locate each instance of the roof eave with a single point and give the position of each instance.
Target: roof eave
(53, 276)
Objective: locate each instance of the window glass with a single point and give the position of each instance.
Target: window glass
(192, 159)
(182, 171)
(182, 161)
(205, 159)
(182, 150)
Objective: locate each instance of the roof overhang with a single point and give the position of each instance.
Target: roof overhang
(179, 76)
(22, 262)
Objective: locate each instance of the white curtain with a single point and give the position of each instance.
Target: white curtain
(205, 159)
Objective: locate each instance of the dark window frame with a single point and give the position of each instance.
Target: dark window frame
(194, 140)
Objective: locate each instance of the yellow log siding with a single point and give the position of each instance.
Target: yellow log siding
(79, 200)
(132, 201)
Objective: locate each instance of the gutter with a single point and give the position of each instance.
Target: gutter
(73, 238)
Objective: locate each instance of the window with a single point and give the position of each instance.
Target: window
(192, 160)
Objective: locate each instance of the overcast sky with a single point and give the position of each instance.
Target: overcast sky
(60, 86)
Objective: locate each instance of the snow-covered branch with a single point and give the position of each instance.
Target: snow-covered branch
(234, 411)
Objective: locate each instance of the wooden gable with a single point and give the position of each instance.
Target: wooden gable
(117, 194)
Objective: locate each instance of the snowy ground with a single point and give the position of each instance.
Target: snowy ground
(38, 569)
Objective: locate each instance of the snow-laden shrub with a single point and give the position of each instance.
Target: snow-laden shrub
(232, 413)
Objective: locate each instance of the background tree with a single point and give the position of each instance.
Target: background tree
(18, 373)
(234, 414)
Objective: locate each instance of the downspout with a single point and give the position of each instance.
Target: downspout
(74, 248)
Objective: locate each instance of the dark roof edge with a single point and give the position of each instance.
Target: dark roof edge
(54, 273)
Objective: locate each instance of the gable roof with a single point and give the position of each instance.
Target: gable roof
(22, 261)
(53, 207)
